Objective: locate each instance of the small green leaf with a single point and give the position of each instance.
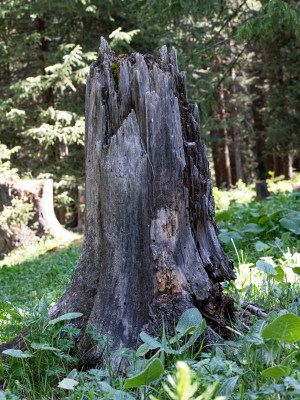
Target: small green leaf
(276, 372)
(68, 384)
(136, 367)
(196, 333)
(150, 341)
(117, 394)
(260, 246)
(152, 372)
(291, 224)
(42, 346)
(266, 267)
(225, 237)
(142, 350)
(123, 352)
(228, 386)
(262, 220)
(253, 228)
(280, 274)
(65, 317)
(285, 328)
(224, 215)
(189, 320)
(296, 270)
(17, 353)
(289, 359)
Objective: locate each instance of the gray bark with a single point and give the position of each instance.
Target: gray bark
(150, 231)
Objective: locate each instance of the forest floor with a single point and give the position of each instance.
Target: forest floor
(262, 362)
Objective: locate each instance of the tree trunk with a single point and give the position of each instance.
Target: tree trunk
(262, 190)
(150, 230)
(80, 211)
(218, 154)
(220, 147)
(236, 133)
(288, 173)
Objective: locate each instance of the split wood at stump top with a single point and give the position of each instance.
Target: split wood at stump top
(150, 231)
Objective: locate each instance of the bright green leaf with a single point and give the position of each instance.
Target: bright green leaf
(276, 372)
(150, 341)
(17, 353)
(223, 216)
(42, 346)
(253, 228)
(189, 320)
(152, 372)
(225, 237)
(280, 274)
(260, 246)
(65, 317)
(142, 350)
(68, 384)
(292, 225)
(228, 386)
(285, 328)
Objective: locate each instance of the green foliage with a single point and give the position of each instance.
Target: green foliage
(255, 237)
(5, 161)
(274, 17)
(16, 215)
(149, 374)
(48, 360)
(285, 328)
(122, 39)
(45, 58)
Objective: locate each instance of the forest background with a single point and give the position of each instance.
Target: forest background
(242, 64)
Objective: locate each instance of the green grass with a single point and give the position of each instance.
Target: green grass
(27, 275)
(261, 363)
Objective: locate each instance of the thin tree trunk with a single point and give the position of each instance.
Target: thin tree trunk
(289, 166)
(236, 134)
(150, 230)
(226, 140)
(218, 155)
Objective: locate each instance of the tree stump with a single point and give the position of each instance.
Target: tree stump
(39, 193)
(261, 190)
(150, 230)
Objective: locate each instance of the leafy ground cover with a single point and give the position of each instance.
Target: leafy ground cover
(263, 239)
(262, 362)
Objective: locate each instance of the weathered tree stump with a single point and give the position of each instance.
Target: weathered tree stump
(39, 193)
(261, 190)
(150, 230)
